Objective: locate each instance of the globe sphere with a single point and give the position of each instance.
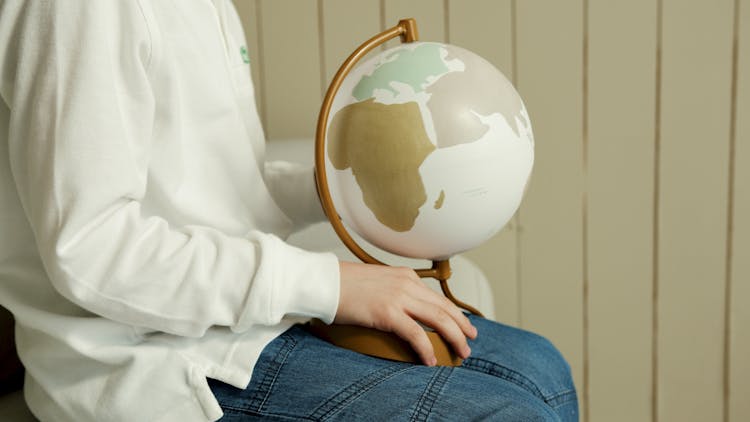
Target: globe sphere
(428, 150)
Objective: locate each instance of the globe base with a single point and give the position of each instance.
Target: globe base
(372, 342)
(381, 344)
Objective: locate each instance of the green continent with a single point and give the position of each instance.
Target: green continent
(384, 144)
(411, 67)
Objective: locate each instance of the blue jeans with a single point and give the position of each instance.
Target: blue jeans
(511, 375)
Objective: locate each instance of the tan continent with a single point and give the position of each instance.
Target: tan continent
(440, 200)
(478, 88)
(384, 144)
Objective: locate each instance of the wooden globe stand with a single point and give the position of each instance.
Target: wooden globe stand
(361, 339)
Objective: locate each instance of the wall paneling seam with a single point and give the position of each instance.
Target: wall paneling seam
(655, 243)
(585, 208)
(730, 215)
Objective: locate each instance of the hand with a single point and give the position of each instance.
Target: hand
(393, 299)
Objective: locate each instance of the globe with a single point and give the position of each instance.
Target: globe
(428, 150)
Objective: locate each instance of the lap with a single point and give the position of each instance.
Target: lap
(511, 375)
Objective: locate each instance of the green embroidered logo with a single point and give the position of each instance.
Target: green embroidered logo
(245, 56)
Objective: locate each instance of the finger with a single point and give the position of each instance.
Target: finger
(409, 330)
(459, 316)
(436, 318)
(454, 311)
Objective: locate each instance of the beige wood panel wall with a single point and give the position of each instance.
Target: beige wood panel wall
(430, 13)
(620, 198)
(550, 59)
(291, 66)
(343, 33)
(632, 249)
(695, 84)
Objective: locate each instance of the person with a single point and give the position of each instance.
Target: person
(142, 252)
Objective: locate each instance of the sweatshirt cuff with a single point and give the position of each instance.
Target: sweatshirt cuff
(310, 284)
(291, 282)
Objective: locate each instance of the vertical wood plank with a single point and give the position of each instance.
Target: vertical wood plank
(291, 66)
(485, 27)
(430, 16)
(247, 10)
(347, 24)
(621, 81)
(695, 93)
(739, 340)
(550, 69)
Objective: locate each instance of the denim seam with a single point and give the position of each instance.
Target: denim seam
(503, 372)
(355, 390)
(431, 394)
(252, 412)
(271, 373)
(491, 368)
(561, 398)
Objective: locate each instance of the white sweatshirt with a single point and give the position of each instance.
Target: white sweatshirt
(140, 229)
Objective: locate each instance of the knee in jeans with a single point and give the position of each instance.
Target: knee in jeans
(534, 357)
(554, 356)
(550, 366)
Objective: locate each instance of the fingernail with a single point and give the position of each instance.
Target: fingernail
(433, 361)
(467, 351)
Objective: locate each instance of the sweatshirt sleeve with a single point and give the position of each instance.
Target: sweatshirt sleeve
(75, 75)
